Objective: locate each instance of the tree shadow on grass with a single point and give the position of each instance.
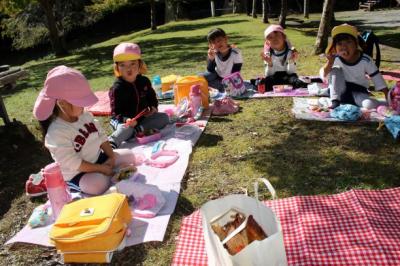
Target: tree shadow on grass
(196, 26)
(208, 140)
(325, 158)
(97, 62)
(23, 155)
(220, 119)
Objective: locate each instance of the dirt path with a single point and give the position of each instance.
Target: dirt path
(388, 18)
(386, 23)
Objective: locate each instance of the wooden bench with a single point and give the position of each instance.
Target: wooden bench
(370, 5)
(8, 80)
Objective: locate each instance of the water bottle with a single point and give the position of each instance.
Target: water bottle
(157, 84)
(57, 190)
(195, 101)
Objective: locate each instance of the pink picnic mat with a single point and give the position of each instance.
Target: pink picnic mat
(102, 107)
(168, 180)
(391, 75)
(288, 93)
(358, 227)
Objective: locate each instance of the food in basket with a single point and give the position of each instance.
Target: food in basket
(254, 231)
(251, 231)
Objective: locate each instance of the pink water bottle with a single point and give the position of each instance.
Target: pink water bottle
(195, 100)
(57, 190)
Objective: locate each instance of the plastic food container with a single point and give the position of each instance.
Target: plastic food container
(282, 88)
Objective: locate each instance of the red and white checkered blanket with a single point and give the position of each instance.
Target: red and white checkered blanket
(358, 227)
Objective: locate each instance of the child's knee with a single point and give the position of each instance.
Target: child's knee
(94, 183)
(124, 156)
(164, 119)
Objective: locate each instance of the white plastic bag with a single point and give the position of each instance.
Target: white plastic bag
(270, 251)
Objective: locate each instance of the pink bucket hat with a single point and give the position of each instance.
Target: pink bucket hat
(63, 83)
(273, 28)
(126, 51)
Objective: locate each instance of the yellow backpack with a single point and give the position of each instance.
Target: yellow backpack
(89, 230)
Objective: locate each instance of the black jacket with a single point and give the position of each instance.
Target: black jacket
(128, 99)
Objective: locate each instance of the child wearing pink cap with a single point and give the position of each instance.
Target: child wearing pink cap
(74, 138)
(280, 59)
(131, 94)
(222, 60)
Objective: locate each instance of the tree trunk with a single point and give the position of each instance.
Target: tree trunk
(254, 9)
(169, 10)
(265, 11)
(282, 16)
(212, 8)
(324, 27)
(234, 6)
(153, 15)
(241, 6)
(55, 33)
(247, 5)
(300, 6)
(306, 8)
(178, 10)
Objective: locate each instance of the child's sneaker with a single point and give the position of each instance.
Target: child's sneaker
(35, 185)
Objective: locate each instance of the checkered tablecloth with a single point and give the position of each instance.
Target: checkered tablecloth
(358, 227)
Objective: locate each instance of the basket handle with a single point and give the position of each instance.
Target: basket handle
(267, 184)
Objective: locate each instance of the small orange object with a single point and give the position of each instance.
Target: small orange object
(129, 121)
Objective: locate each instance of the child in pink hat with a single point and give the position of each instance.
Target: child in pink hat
(74, 138)
(132, 94)
(280, 59)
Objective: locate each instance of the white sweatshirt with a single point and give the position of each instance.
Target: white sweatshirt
(281, 61)
(355, 73)
(224, 68)
(70, 143)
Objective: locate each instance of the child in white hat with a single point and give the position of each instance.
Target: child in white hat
(280, 59)
(132, 94)
(74, 138)
(346, 69)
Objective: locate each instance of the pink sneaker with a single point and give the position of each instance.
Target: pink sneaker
(35, 185)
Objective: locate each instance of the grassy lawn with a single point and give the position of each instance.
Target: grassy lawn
(298, 157)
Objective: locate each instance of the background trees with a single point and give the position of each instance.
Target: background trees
(324, 27)
(30, 23)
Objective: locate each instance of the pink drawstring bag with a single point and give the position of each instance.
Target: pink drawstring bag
(225, 106)
(233, 84)
(394, 98)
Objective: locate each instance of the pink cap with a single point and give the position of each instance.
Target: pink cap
(126, 51)
(63, 83)
(273, 28)
(195, 90)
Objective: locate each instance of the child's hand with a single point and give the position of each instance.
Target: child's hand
(331, 56)
(295, 54)
(110, 161)
(130, 122)
(211, 52)
(266, 57)
(106, 169)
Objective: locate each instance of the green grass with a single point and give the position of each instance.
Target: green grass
(298, 157)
